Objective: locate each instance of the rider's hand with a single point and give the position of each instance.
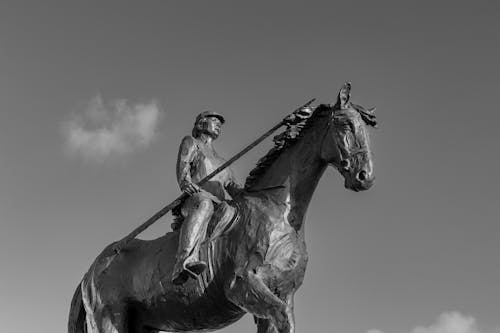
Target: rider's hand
(190, 188)
(233, 189)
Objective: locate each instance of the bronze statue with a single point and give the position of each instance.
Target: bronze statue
(255, 262)
(196, 159)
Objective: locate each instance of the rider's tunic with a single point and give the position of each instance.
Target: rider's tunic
(203, 161)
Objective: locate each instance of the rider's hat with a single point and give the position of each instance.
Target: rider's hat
(205, 114)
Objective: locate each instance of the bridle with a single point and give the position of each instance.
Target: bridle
(345, 161)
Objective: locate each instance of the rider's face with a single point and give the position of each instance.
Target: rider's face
(212, 126)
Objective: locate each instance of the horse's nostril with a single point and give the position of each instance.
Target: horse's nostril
(345, 164)
(362, 175)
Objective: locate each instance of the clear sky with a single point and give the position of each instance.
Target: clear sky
(96, 95)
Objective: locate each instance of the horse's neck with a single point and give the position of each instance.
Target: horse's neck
(297, 171)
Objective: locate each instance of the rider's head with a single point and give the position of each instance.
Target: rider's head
(208, 122)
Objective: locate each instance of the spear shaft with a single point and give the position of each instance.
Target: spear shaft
(124, 241)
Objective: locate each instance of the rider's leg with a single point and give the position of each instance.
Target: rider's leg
(199, 209)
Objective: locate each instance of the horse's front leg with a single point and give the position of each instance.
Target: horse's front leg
(252, 294)
(110, 320)
(290, 312)
(266, 325)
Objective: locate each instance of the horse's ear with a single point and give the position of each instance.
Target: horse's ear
(367, 115)
(344, 96)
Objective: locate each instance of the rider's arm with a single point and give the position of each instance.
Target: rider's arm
(232, 186)
(186, 155)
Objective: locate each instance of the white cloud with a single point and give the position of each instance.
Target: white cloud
(448, 322)
(451, 322)
(106, 130)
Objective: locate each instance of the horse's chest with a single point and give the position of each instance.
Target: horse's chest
(284, 252)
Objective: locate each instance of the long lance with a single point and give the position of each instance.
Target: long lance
(124, 241)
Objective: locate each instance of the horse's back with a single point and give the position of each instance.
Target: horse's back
(140, 270)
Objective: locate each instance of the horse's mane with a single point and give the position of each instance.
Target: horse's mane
(304, 119)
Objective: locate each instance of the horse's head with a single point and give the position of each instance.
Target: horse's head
(346, 144)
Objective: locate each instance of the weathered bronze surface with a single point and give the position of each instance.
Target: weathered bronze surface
(290, 119)
(256, 264)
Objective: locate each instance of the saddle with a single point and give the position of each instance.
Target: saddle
(224, 218)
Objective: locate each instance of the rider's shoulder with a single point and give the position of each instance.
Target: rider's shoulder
(188, 141)
(188, 145)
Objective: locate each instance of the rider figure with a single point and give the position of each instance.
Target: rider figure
(197, 158)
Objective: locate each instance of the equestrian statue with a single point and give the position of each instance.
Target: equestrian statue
(233, 249)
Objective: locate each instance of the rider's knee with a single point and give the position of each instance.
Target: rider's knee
(201, 202)
(206, 205)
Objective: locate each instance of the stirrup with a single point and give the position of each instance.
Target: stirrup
(180, 278)
(195, 268)
(192, 269)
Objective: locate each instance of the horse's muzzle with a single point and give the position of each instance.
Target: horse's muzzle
(359, 181)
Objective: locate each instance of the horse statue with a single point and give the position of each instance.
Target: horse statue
(256, 264)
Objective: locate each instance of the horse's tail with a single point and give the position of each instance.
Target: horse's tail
(76, 321)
